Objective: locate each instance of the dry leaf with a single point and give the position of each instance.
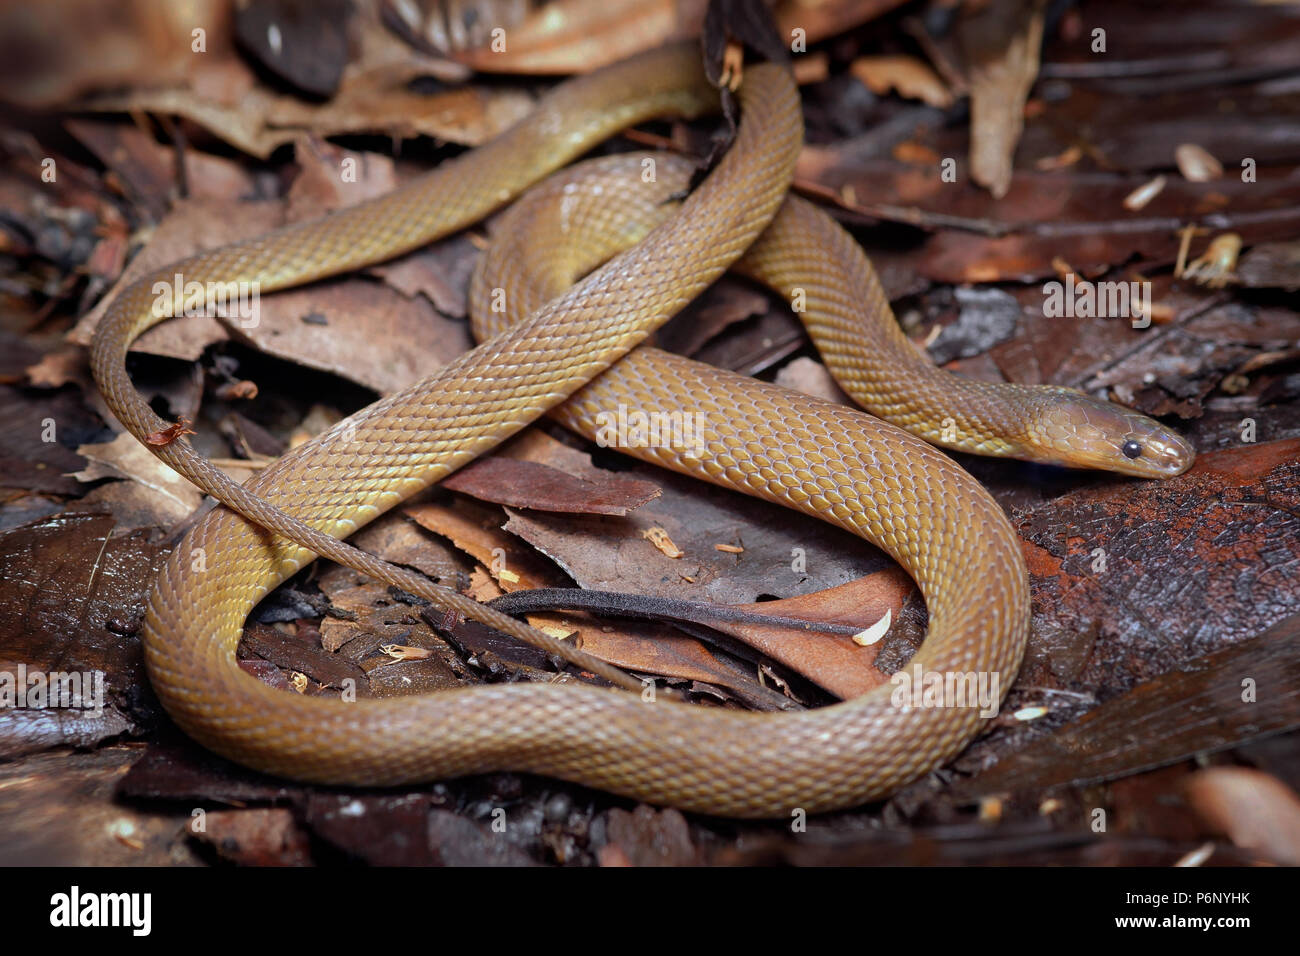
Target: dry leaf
(124, 457)
(1002, 43)
(1257, 811)
(225, 97)
(911, 77)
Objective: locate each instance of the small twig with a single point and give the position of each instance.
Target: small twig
(177, 136)
(941, 62)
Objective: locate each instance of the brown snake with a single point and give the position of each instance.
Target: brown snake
(826, 460)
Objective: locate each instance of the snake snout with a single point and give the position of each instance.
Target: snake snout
(1079, 431)
(1162, 450)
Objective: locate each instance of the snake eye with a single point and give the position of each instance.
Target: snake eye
(1131, 449)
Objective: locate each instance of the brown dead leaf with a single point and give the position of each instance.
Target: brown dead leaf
(912, 78)
(146, 168)
(609, 553)
(191, 226)
(302, 655)
(1001, 42)
(58, 367)
(359, 329)
(72, 596)
(811, 377)
(1256, 811)
(831, 660)
(529, 484)
(513, 566)
(397, 539)
(576, 36)
(440, 273)
(331, 177)
(647, 836)
(124, 457)
(834, 661)
(725, 304)
(31, 457)
(256, 836)
(648, 648)
(644, 648)
(53, 52)
(476, 531)
(433, 27)
(304, 44)
(225, 97)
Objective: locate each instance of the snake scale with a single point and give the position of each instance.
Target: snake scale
(574, 350)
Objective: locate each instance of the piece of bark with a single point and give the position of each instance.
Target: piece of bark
(1248, 691)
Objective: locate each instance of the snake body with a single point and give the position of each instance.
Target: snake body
(829, 461)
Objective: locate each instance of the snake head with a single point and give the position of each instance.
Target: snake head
(1074, 429)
